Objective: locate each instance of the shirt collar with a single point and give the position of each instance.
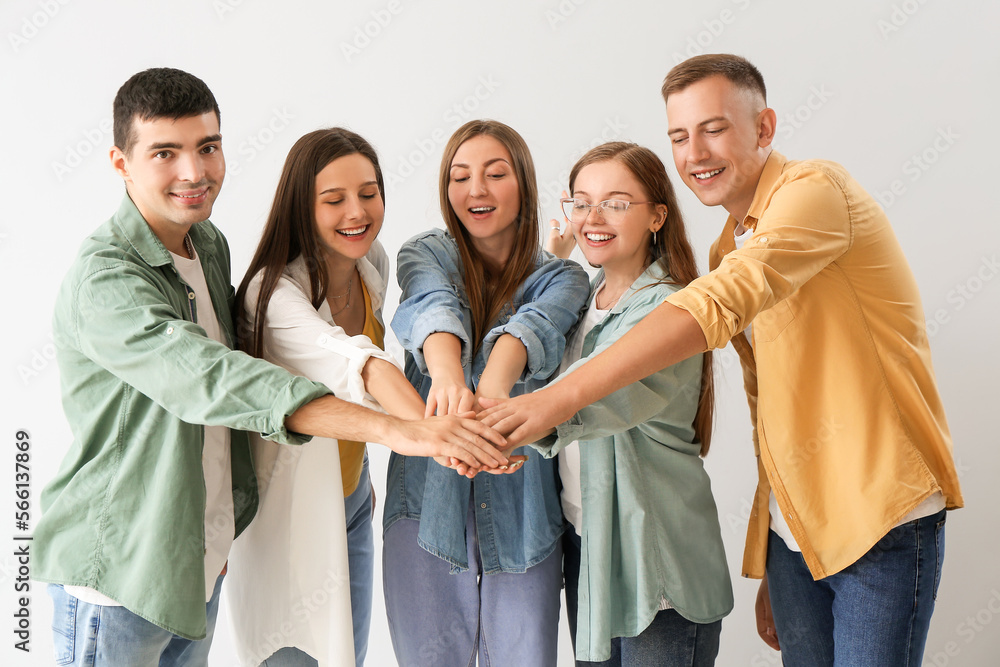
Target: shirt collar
(146, 244)
(773, 167)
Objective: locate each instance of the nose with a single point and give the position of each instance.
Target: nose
(355, 210)
(477, 187)
(191, 167)
(697, 149)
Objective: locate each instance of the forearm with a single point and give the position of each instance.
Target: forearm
(331, 417)
(387, 385)
(443, 355)
(664, 337)
(506, 364)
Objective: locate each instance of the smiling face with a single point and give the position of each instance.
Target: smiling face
(483, 192)
(349, 209)
(173, 172)
(720, 137)
(619, 247)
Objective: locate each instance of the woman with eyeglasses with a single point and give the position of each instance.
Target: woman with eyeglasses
(646, 575)
(474, 565)
(299, 587)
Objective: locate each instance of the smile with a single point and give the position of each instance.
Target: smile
(707, 174)
(597, 238)
(354, 231)
(482, 209)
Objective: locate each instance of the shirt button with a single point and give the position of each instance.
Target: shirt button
(483, 505)
(170, 330)
(324, 339)
(763, 239)
(190, 296)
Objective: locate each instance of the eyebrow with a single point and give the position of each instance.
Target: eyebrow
(703, 123)
(169, 144)
(330, 190)
(485, 164)
(613, 192)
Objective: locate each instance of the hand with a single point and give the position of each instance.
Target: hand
(765, 620)
(514, 463)
(449, 396)
(525, 418)
(560, 242)
(460, 438)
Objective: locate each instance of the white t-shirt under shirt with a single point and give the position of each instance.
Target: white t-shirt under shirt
(932, 505)
(569, 457)
(216, 457)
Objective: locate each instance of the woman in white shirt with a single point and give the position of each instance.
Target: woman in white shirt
(311, 302)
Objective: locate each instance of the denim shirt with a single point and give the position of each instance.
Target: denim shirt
(518, 516)
(650, 524)
(125, 513)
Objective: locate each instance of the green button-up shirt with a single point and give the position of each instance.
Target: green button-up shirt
(650, 525)
(125, 514)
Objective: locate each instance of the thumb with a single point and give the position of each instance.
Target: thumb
(489, 402)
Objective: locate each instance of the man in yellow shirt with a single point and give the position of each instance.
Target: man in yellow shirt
(810, 284)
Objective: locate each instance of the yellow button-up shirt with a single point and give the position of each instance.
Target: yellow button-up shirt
(850, 433)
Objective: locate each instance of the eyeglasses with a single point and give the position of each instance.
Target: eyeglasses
(612, 210)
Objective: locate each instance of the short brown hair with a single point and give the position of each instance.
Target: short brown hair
(740, 71)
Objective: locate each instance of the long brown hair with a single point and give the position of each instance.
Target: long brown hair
(670, 248)
(290, 230)
(489, 291)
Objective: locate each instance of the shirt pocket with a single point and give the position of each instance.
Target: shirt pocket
(769, 324)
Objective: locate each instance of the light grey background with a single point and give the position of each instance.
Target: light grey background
(877, 86)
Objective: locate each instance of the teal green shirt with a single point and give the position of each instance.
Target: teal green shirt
(125, 514)
(650, 524)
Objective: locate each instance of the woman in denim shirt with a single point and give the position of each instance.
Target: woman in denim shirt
(646, 574)
(475, 564)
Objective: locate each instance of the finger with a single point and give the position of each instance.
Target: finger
(432, 403)
(488, 403)
(467, 402)
(514, 464)
(480, 432)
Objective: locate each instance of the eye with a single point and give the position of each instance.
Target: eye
(209, 149)
(580, 205)
(678, 140)
(615, 205)
(497, 175)
(161, 155)
(459, 179)
(334, 202)
(371, 195)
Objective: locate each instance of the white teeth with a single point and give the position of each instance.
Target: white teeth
(707, 174)
(482, 209)
(353, 232)
(190, 196)
(599, 237)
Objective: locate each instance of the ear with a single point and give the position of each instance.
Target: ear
(767, 122)
(660, 219)
(120, 163)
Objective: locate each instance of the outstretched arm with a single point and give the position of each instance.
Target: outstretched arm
(664, 337)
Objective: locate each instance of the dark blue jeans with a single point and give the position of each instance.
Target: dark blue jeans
(873, 613)
(670, 640)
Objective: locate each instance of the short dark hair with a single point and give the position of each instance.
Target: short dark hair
(740, 71)
(160, 92)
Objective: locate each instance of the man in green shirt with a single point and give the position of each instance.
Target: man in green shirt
(158, 482)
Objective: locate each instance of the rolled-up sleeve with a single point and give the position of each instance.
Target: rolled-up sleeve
(551, 303)
(123, 323)
(806, 226)
(429, 302)
(297, 337)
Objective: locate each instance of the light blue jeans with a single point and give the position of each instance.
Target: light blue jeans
(361, 564)
(90, 635)
(442, 619)
(873, 613)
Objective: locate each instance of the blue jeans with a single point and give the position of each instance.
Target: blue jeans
(442, 619)
(875, 612)
(95, 635)
(670, 640)
(361, 564)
